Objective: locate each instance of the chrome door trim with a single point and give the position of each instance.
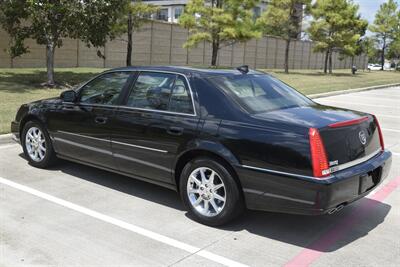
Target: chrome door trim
(142, 147)
(84, 136)
(114, 142)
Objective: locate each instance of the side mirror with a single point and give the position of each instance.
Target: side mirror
(68, 96)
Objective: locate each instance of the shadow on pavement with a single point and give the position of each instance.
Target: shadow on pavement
(292, 229)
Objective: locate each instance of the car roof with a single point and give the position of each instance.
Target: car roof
(186, 70)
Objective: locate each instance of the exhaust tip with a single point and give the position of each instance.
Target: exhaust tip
(336, 209)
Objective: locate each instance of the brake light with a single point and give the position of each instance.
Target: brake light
(348, 123)
(318, 154)
(380, 132)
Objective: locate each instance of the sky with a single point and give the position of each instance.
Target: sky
(368, 8)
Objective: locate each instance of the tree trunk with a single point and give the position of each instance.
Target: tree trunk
(50, 64)
(215, 48)
(287, 56)
(129, 46)
(330, 62)
(326, 61)
(383, 54)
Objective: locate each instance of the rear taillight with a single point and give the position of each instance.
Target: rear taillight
(380, 133)
(318, 155)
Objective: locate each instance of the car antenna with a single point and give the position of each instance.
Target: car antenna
(243, 69)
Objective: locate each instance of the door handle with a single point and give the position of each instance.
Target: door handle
(175, 130)
(100, 120)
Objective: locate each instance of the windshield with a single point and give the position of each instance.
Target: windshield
(258, 93)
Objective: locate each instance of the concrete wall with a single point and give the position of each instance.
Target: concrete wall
(159, 43)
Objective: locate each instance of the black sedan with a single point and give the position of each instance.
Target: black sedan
(224, 139)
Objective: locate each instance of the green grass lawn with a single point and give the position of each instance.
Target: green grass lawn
(18, 86)
(314, 82)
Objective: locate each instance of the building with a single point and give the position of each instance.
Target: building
(171, 10)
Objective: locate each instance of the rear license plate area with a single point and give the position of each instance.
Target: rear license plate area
(369, 180)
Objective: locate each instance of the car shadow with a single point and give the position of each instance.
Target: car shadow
(350, 224)
(296, 230)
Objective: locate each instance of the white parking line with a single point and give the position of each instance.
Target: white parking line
(387, 116)
(361, 104)
(393, 99)
(391, 130)
(130, 227)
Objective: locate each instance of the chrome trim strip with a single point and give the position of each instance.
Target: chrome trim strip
(284, 173)
(133, 108)
(332, 169)
(83, 146)
(85, 136)
(252, 191)
(354, 162)
(115, 142)
(142, 147)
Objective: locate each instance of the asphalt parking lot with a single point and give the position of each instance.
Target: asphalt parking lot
(78, 215)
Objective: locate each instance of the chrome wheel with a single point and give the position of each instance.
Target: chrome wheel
(206, 191)
(35, 144)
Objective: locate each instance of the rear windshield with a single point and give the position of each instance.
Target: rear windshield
(258, 93)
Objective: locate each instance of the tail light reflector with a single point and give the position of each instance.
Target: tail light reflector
(380, 133)
(318, 155)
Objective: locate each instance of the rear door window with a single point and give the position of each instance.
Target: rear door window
(161, 91)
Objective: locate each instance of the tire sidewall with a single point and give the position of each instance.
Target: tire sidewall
(233, 205)
(49, 156)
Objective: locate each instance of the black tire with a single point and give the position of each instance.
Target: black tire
(49, 157)
(234, 204)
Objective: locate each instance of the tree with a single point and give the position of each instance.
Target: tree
(282, 18)
(385, 23)
(49, 21)
(135, 15)
(220, 22)
(337, 26)
(394, 51)
(370, 49)
(360, 46)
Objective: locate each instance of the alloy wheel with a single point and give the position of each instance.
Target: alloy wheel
(35, 144)
(206, 191)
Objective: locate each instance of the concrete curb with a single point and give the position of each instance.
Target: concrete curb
(6, 139)
(349, 91)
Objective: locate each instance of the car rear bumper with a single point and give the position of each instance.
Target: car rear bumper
(278, 192)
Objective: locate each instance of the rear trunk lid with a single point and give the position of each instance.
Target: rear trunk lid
(351, 142)
(349, 137)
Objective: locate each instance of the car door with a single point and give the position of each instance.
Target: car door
(156, 122)
(81, 130)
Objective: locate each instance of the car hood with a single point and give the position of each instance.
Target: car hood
(52, 100)
(315, 116)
